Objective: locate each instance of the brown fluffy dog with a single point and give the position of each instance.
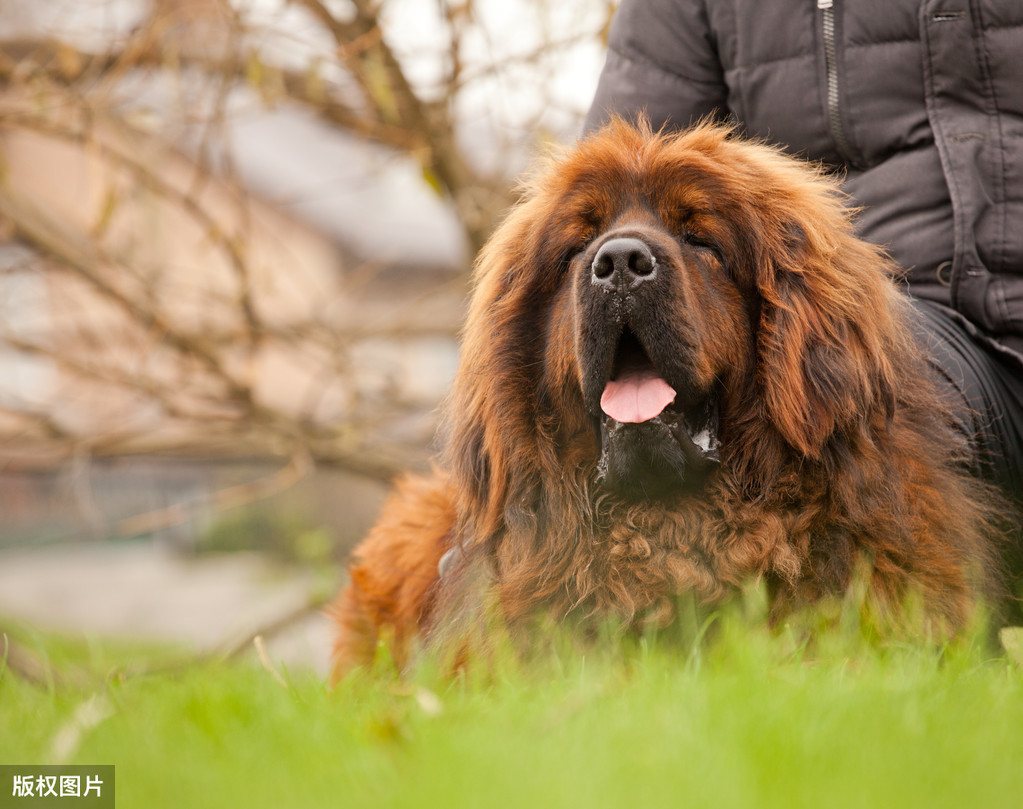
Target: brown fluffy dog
(681, 371)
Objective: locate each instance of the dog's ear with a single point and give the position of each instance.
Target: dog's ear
(829, 325)
(492, 406)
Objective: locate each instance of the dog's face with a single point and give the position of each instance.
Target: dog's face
(661, 289)
(661, 330)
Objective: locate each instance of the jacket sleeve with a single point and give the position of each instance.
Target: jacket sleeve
(662, 61)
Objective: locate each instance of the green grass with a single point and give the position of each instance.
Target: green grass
(748, 719)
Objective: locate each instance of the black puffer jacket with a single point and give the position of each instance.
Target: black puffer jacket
(919, 101)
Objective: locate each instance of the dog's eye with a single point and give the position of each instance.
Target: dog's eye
(583, 240)
(694, 239)
(574, 253)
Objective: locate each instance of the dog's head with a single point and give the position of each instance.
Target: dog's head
(660, 311)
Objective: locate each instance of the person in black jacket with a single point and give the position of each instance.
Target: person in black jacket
(919, 105)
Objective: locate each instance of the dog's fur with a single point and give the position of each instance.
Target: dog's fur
(824, 440)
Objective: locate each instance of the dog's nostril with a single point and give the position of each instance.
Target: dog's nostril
(623, 260)
(641, 262)
(603, 265)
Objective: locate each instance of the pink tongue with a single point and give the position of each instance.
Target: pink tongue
(637, 396)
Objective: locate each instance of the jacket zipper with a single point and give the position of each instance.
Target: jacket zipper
(827, 10)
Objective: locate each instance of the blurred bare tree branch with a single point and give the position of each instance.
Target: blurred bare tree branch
(151, 302)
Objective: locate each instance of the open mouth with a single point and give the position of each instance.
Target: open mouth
(636, 392)
(654, 438)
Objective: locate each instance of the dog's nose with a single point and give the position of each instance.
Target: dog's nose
(623, 263)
